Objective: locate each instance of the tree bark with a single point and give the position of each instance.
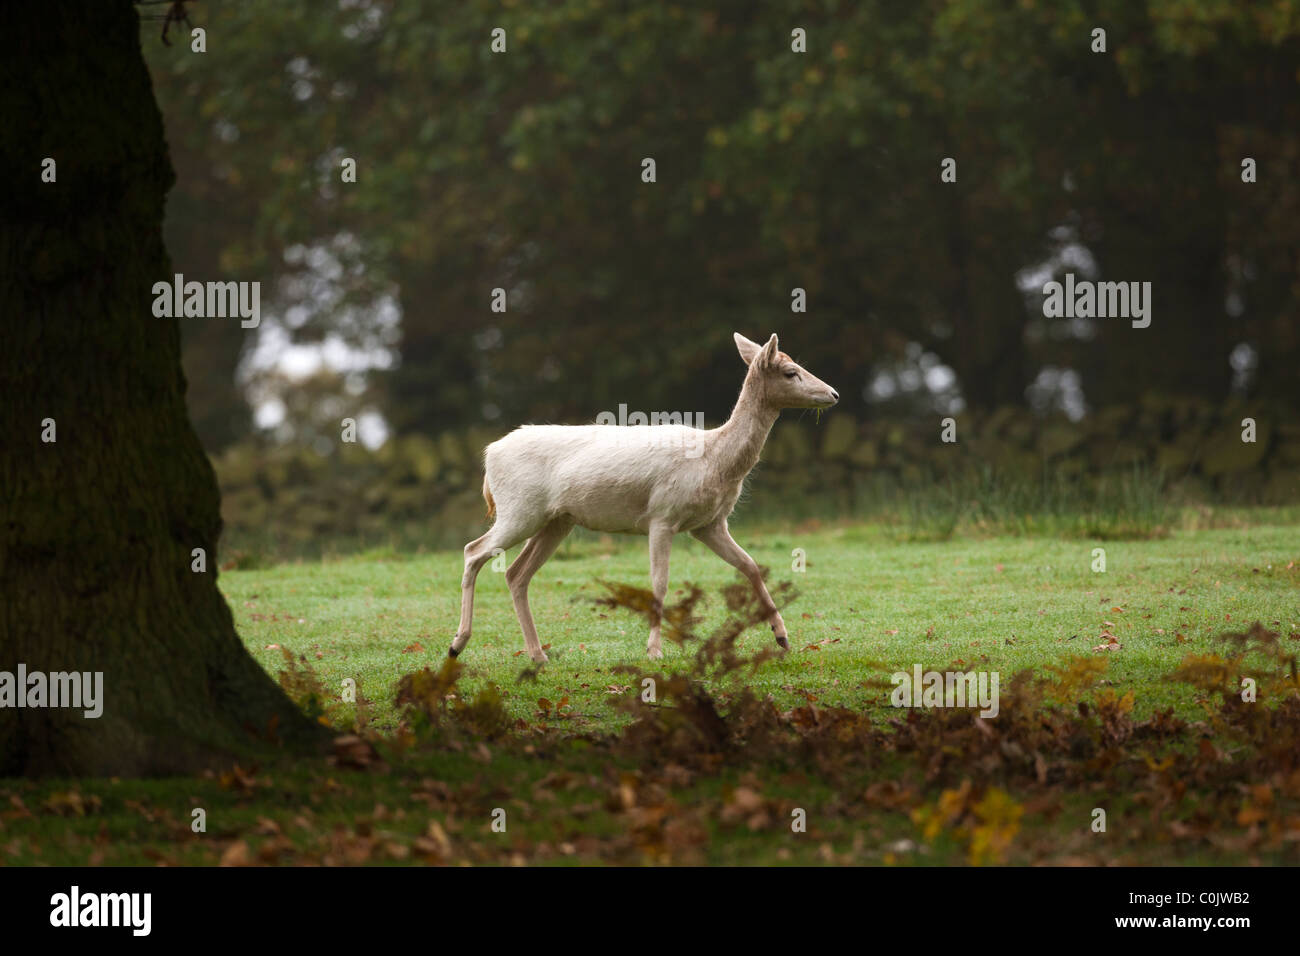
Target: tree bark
(98, 526)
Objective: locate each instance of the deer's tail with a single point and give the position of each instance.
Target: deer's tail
(487, 496)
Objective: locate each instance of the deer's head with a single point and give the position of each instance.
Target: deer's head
(780, 381)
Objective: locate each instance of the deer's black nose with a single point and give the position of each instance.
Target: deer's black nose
(835, 395)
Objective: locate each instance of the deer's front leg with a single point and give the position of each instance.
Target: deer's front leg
(720, 541)
(661, 546)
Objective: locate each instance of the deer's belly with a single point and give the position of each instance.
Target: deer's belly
(610, 510)
(703, 509)
(634, 514)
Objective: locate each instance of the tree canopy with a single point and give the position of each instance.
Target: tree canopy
(522, 169)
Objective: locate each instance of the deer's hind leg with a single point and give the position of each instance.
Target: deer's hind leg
(536, 552)
(661, 547)
(504, 534)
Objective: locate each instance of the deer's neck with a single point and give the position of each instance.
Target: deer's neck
(740, 439)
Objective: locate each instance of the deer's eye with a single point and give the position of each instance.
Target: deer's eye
(791, 373)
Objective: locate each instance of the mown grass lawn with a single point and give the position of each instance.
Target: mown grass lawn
(588, 786)
(867, 607)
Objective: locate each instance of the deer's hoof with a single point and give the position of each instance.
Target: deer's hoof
(783, 643)
(451, 651)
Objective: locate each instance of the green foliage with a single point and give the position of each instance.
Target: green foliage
(775, 170)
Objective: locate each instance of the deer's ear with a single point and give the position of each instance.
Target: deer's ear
(746, 348)
(770, 353)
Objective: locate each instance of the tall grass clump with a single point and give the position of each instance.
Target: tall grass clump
(1119, 505)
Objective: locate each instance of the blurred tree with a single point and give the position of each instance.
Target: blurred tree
(522, 170)
(205, 220)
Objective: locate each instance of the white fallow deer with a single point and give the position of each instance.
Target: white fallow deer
(655, 480)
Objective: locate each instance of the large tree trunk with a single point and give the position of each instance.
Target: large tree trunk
(98, 526)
